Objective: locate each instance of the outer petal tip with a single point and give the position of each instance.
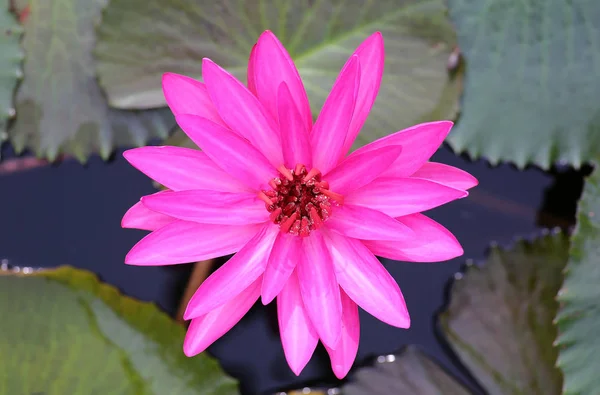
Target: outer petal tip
(296, 366)
(404, 322)
(266, 33)
(130, 258)
(134, 257)
(266, 298)
(447, 125)
(130, 154)
(126, 220)
(268, 294)
(457, 251)
(187, 315)
(400, 318)
(188, 350)
(169, 80)
(340, 370)
(166, 77)
(444, 123)
(375, 39)
(295, 370)
(469, 181)
(206, 62)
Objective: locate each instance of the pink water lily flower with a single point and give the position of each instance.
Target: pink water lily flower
(304, 218)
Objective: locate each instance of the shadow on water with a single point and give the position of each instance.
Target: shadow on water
(70, 214)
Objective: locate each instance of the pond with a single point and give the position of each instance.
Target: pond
(70, 214)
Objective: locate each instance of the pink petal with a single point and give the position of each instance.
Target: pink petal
(418, 143)
(230, 152)
(184, 242)
(402, 196)
(298, 337)
(294, 135)
(182, 168)
(186, 95)
(366, 281)
(209, 207)
(433, 242)
(344, 354)
(274, 66)
(250, 72)
(140, 217)
(371, 55)
(235, 275)
(446, 175)
(242, 111)
(359, 170)
(319, 288)
(282, 262)
(329, 132)
(203, 331)
(365, 223)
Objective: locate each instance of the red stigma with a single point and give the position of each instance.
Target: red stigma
(299, 201)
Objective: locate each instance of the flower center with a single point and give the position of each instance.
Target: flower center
(299, 201)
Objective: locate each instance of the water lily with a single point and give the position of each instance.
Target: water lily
(304, 218)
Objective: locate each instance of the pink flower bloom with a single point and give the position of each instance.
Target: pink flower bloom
(305, 219)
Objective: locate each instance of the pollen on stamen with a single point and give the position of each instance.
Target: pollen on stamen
(299, 201)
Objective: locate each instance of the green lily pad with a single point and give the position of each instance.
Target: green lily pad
(500, 324)
(11, 57)
(410, 372)
(60, 106)
(579, 316)
(64, 332)
(139, 40)
(499, 320)
(532, 92)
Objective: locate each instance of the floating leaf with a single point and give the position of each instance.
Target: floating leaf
(141, 39)
(410, 372)
(60, 107)
(499, 320)
(63, 332)
(532, 92)
(579, 315)
(10, 62)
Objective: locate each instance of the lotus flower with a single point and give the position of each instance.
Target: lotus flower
(304, 218)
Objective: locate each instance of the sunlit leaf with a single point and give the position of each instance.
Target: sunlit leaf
(60, 106)
(532, 92)
(499, 320)
(10, 62)
(579, 315)
(141, 39)
(64, 332)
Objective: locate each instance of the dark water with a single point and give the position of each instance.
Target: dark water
(70, 214)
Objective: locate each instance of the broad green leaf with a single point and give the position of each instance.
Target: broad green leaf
(60, 106)
(409, 372)
(579, 315)
(532, 92)
(141, 39)
(11, 57)
(499, 320)
(64, 332)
